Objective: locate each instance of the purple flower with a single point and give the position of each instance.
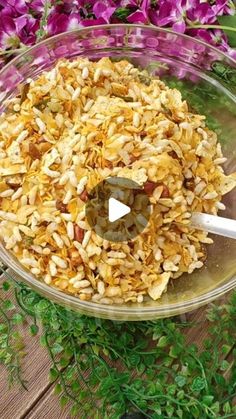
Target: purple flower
(15, 7)
(177, 13)
(138, 17)
(26, 28)
(20, 19)
(92, 22)
(212, 37)
(223, 7)
(215, 37)
(104, 9)
(37, 6)
(9, 80)
(69, 6)
(141, 14)
(58, 23)
(171, 13)
(128, 3)
(202, 13)
(8, 35)
(15, 30)
(218, 39)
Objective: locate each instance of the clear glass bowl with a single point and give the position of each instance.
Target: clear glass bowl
(207, 78)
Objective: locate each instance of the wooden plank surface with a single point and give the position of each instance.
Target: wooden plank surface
(39, 402)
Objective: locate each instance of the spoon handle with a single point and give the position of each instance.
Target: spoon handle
(214, 224)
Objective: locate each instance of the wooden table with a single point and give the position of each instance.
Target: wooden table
(39, 402)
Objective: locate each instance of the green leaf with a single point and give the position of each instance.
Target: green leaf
(216, 407)
(34, 329)
(162, 342)
(42, 306)
(180, 380)
(170, 411)
(157, 409)
(75, 386)
(53, 374)
(74, 410)
(174, 352)
(171, 389)
(179, 412)
(156, 335)
(122, 13)
(64, 362)
(220, 380)
(207, 400)
(225, 349)
(198, 384)
(134, 359)
(57, 348)
(43, 341)
(63, 401)
(57, 389)
(227, 408)
(8, 305)
(224, 365)
(17, 318)
(6, 286)
(231, 22)
(3, 328)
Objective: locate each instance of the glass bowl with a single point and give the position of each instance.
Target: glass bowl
(207, 78)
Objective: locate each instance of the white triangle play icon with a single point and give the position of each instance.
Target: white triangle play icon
(116, 210)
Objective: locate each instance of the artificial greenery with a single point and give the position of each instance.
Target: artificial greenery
(154, 373)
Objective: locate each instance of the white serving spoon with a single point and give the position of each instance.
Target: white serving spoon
(214, 224)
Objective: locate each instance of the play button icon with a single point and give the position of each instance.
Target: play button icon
(118, 209)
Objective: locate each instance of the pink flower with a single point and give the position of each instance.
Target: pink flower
(223, 7)
(215, 37)
(170, 13)
(202, 13)
(8, 37)
(104, 9)
(92, 22)
(15, 7)
(61, 22)
(128, 3)
(138, 17)
(26, 28)
(37, 7)
(176, 13)
(141, 14)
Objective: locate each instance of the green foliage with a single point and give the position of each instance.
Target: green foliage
(11, 341)
(155, 373)
(41, 32)
(122, 13)
(229, 21)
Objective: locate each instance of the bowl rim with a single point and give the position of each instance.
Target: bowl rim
(97, 309)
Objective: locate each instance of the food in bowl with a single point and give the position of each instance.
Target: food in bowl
(83, 122)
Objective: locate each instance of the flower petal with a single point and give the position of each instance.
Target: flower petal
(58, 23)
(138, 17)
(103, 10)
(179, 26)
(7, 25)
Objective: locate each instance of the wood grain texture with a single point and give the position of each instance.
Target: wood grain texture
(48, 408)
